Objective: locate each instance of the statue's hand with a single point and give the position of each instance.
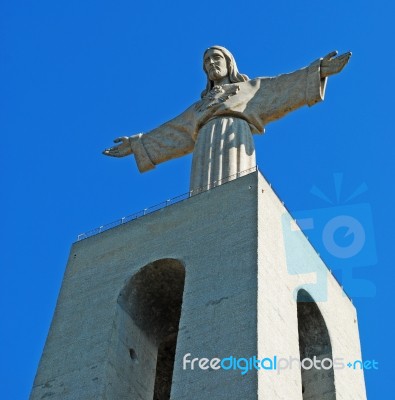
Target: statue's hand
(121, 150)
(331, 64)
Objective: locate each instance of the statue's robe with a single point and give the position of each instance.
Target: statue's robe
(219, 127)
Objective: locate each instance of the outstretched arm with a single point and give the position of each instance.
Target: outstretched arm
(331, 64)
(277, 96)
(170, 140)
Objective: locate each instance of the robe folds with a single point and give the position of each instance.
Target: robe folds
(218, 128)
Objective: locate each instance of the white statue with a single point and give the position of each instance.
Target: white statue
(218, 128)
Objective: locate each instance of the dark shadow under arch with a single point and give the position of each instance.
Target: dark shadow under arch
(153, 299)
(314, 343)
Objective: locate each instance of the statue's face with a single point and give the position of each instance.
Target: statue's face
(215, 64)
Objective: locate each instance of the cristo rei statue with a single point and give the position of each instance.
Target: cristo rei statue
(218, 128)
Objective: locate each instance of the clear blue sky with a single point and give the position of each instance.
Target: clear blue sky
(76, 74)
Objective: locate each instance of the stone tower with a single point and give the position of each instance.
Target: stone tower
(225, 275)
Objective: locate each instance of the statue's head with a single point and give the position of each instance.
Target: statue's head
(229, 68)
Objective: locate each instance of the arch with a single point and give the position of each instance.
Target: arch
(314, 344)
(150, 304)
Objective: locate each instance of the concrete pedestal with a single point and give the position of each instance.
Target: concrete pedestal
(217, 275)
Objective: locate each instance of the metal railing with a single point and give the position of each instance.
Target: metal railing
(164, 204)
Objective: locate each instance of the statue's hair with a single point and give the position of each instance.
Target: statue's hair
(233, 72)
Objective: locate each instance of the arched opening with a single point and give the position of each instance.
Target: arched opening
(315, 351)
(152, 299)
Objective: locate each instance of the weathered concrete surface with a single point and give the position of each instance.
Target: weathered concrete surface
(284, 257)
(238, 300)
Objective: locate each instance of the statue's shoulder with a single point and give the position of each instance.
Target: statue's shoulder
(253, 83)
(258, 79)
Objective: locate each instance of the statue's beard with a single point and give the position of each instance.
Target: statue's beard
(215, 73)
